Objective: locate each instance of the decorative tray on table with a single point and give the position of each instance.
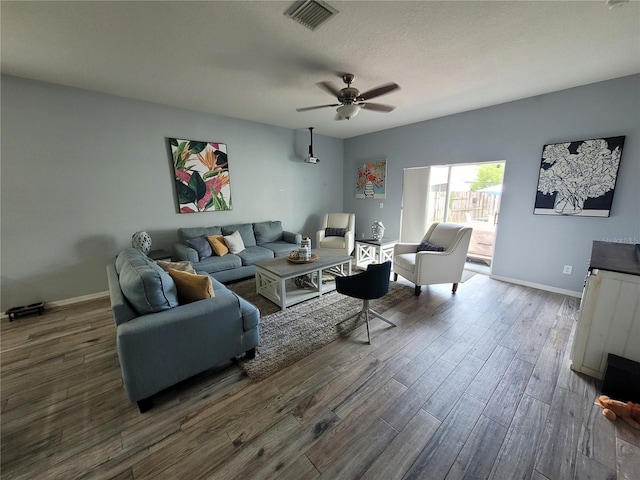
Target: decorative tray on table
(295, 258)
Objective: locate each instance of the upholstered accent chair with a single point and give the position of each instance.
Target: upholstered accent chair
(337, 231)
(438, 258)
(371, 284)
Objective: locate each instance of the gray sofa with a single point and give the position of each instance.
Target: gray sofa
(262, 241)
(160, 342)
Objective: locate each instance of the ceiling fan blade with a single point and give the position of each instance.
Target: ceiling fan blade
(304, 109)
(381, 90)
(330, 88)
(377, 107)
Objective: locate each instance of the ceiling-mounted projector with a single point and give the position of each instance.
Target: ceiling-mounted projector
(310, 158)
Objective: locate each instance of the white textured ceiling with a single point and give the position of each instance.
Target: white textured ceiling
(248, 60)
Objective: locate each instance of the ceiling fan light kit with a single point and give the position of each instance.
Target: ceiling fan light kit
(351, 101)
(348, 111)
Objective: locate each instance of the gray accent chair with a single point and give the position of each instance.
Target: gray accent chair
(160, 342)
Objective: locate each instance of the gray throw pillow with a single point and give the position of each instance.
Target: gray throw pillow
(334, 232)
(202, 246)
(429, 247)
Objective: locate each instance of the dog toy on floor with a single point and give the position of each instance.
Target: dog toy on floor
(612, 409)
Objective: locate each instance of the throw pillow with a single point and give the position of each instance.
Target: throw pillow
(202, 246)
(334, 232)
(234, 242)
(429, 247)
(182, 266)
(217, 244)
(191, 287)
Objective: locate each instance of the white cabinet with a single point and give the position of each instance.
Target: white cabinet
(609, 320)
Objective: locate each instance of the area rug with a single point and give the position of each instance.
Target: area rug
(290, 335)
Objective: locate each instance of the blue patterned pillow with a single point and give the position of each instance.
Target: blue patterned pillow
(202, 246)
(334, 232)
(429, 247)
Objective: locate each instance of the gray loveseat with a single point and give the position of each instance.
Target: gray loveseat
(262, 241)
(160, 342)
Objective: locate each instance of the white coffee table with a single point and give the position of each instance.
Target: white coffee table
(275, 279)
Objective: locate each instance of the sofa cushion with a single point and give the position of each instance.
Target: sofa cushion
(144, 284)
(255, 254)
(281, 248)
(267, 232)
(202, 246)
(217, 244)
(191, 287)
(185, 234)
(246, 232)
(217, 264)
(234, 242)
(332, 242)
(406, 261)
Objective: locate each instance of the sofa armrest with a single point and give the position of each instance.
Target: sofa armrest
(184, 253)
(436, 261)
(291, 237)
(122, 311)
(250, 314)
(349, 237)
(319, 237)
(400, 248)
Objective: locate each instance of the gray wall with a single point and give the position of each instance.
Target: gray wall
(529, 248)
(81, 172)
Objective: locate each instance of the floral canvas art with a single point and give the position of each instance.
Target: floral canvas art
(371, 182)
(578, 178)
(201, 175)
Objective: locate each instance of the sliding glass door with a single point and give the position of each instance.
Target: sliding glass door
(466, 194)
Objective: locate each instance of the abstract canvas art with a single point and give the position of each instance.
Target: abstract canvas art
(578, 178)
(371, 182)
(201, 172)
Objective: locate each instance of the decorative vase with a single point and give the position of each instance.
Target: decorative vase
(141, 241)
(304, 253)
(377, 230)
(368, 189)
(567, 205)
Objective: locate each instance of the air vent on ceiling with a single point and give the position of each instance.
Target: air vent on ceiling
(310, 13)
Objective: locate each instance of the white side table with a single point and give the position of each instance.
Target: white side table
(369, 250)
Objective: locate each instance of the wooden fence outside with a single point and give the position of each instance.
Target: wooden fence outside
(467, 206)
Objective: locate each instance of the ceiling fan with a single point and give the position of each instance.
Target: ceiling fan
(351, 100)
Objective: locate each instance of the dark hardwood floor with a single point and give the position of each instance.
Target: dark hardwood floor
(470, 386)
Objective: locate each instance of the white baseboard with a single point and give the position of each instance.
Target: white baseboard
(539, 286)
(83, 298)
(70, 301)
(96, 296)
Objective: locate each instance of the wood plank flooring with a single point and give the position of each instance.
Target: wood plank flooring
(475, 385)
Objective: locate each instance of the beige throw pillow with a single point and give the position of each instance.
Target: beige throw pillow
(182, 266)
(217, 244)
(234, 242)
(191, 287)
